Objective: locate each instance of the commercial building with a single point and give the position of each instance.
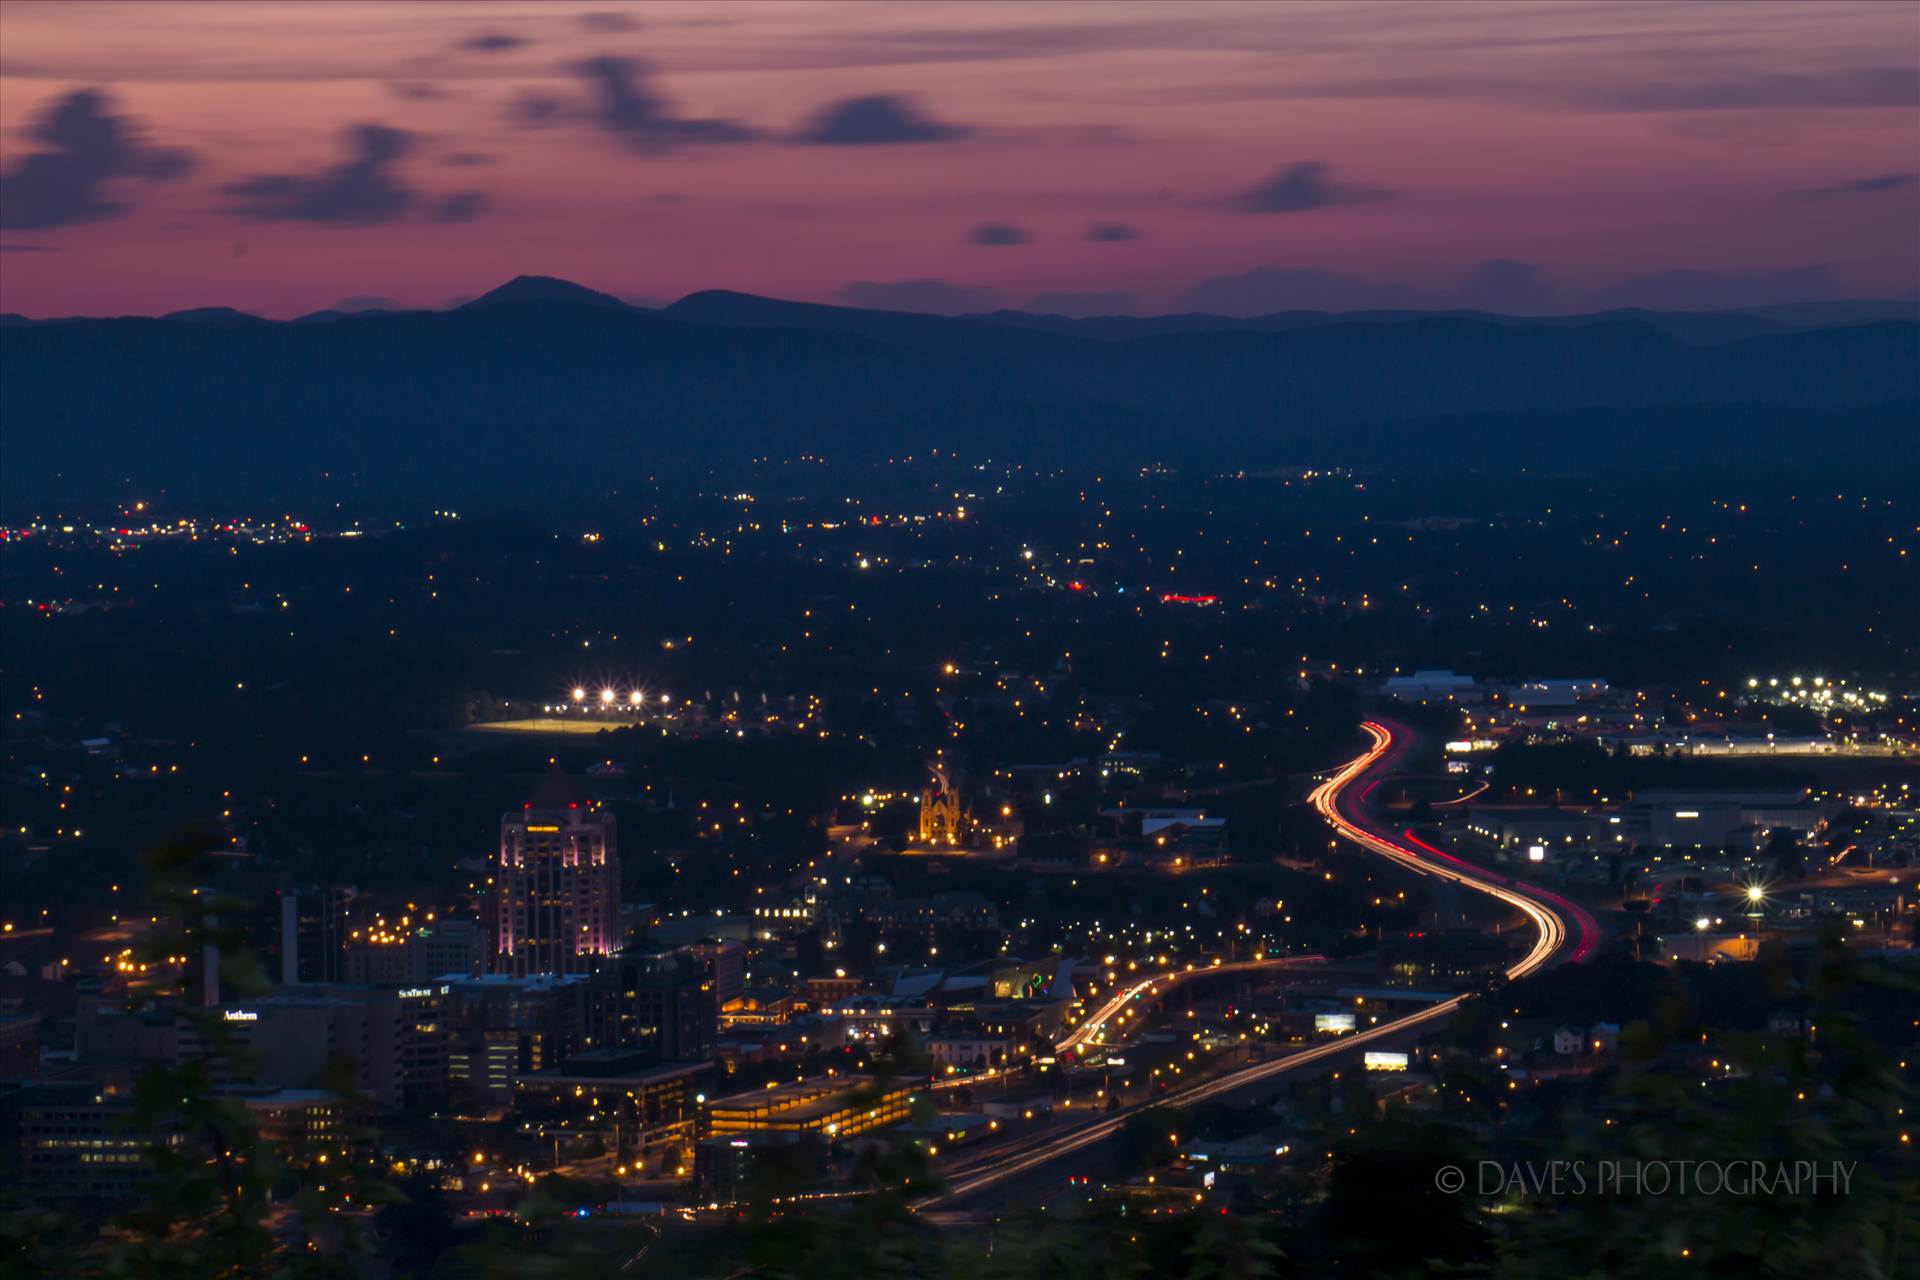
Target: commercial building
(294, 1115)
(646, 1114)
(833, 1106)
(557, 885)
(758, 1007)
(656, 1001)
(1712, 819)
(392, 1040)
(415, 954)
(1546, 835)
(727, 1167)
(725, 960)
(1433, 686)
(970, 1050)
(872, 1018)
(1556, 693)
(75, 1143)
(500, 1027)
(315, 925)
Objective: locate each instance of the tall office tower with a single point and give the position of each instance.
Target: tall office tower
(316, 923)
(557, 885)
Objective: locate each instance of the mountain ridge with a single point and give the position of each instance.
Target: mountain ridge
(542, 388)
(1718, 324)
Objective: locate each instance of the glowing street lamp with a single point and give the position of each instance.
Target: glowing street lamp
(579, 695)
(606, 697)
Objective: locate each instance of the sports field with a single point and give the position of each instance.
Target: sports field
(551, 725)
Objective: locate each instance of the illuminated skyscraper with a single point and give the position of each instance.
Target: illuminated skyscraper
(557, 886)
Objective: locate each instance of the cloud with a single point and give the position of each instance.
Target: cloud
(997, 234)
(1862, 186)
(1305, 186)
(1264, 290)
(362, 192)
(605, 22)
(462, 206)
(877, 118)
(624, 107)
(1111, 232)
(466, 159)
(87, 147)
(494, 42)
(535, 109)
(1117, 302)
(933, 40)
(1881, 86)
(416, 91)
(936, 297)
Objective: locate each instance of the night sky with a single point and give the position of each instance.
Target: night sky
(1083, 158)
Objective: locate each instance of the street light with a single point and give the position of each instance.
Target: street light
(1755, 893)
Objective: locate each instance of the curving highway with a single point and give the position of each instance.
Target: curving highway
(1092, 1030)
(1555, 919)
(1558, 924)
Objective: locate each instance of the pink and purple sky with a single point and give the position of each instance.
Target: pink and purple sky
(1088, 157)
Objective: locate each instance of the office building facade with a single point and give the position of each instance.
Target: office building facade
(557, 885)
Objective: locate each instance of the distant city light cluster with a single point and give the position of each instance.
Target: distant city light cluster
(1816, 693)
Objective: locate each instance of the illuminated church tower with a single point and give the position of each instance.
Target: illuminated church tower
(943, 823)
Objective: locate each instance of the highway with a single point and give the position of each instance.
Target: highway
(1559, 925)
(1091, 1032)
(1555, 919)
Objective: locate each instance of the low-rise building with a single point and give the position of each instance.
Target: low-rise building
(645, 1114)
(833, 1106)
(75, 1143)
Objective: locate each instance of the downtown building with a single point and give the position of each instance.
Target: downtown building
(656, 1002)
(557, 885)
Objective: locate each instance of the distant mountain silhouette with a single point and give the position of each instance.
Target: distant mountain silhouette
(1821, 315)
(546, 289)
(213, 315)
(335, 313)
(545, 388)
(1701, 328)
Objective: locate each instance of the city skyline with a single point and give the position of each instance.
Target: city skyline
(1228, 158)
